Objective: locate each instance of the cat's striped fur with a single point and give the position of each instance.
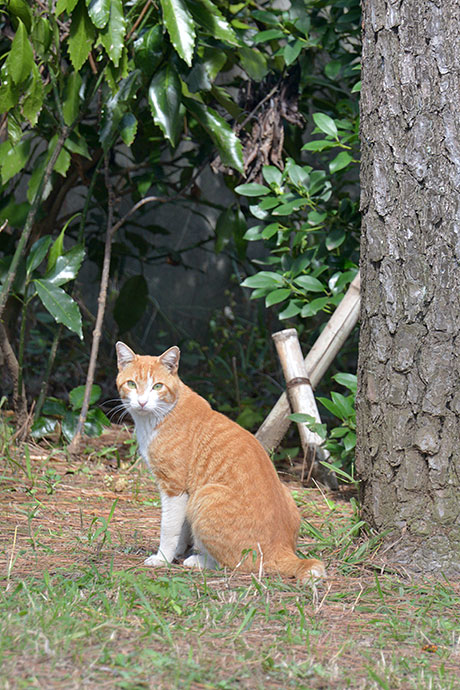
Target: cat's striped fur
(219, 489)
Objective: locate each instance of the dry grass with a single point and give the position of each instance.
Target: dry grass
(79, 610)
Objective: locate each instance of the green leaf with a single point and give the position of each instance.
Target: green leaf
(112, 36)
(181, 27)
(318, 145)
(71, 101)
(335, 238)
(66, 266)
(13, 158)
(65, 6)
(33, 101)
(326, 124)
(207, 14)
(128, 128)
(37, 253)
(341, 161)
(309, 284)
(43, 426)
(314, 307)
(293, 309)
(81, 37)
(99, 12)
(253, 62)
(347, 380)
(62, 163)
(131, 303)
(21, 57)
(54, 406)
(56, 250)
(263, 279)
(21, 10)
(277, 296)
(165, 99)
(76, 396)
(60, 305)
(224, 137)
(291, 52)
(268, 35)
(149, 49)
(270, 230)
(115, 107)
(252, 189)
(272, 175)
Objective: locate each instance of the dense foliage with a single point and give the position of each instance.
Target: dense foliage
(112, 108)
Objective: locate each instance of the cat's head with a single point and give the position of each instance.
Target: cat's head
(147, 385)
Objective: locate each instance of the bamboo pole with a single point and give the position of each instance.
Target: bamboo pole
(298, 384)
(302, 399)
(323, 352)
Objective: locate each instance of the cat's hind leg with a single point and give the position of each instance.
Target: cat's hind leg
(173, 531)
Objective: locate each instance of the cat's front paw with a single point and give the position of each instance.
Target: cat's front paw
(156, 559)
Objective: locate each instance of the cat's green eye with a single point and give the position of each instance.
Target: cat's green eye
(157, 386)
(131, 384)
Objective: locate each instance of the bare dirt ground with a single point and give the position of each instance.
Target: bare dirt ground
(52, 507)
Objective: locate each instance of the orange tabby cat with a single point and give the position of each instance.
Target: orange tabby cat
(218, 487)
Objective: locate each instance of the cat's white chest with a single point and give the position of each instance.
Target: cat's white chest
(146, 431)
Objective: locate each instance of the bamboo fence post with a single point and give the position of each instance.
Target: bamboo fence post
(302, 400)
(323, 352)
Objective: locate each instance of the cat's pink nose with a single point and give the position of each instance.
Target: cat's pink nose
(142, 403)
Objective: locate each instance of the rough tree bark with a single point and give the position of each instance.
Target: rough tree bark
(409, 384)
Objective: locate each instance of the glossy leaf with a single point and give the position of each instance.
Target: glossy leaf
(277, 296)
(252, 189)
(71, 101)
(81, 37)
(347, 380)
(340, 162)
(293, 309)
(149, 49)
(112, 36)
(56, 250)
(326, 124)
(33, 100)
(76, 396)
(181, 27)
(99, 12)
(264, 279)
(224, 137)
(253, 62)
(309, 283)
(207, 14)
(115, 107)
(60, 305)
(128, 128)
(21, 57)
(20, 10)
(165, 98)
(37, 253)
(13, 158)
(66, 266)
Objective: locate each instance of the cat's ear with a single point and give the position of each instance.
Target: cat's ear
(124, 355)
(170, 359)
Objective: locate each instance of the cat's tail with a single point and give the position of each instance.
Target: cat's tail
(305, 569)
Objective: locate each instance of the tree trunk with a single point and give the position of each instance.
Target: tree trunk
(408, 374)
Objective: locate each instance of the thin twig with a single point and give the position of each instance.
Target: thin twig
(102, 299)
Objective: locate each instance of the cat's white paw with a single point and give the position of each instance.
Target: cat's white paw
(194, 561)
(200, 560)
(156, 559)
